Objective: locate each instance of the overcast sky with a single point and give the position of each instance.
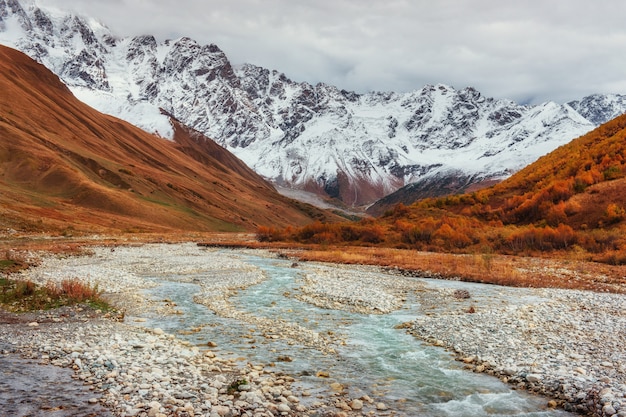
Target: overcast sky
(527, 50)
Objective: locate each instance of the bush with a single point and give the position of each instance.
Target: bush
(543, 238)
(77, 291)
(269, 234)
(614, 213)
(24, 289)
(18, 295)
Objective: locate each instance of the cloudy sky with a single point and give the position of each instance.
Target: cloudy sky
(527, 50)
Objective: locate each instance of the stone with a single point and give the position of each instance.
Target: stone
(220, 410)
(336, 386)
(605, 392)
(283, 408)
(343, 406)
(154, 404)
(461, 294)
(608, 410)
(381, 406)
(356, 404)
(510, 371)
(533, 378)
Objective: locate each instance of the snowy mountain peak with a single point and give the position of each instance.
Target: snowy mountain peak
(355, 147)
(599, 108)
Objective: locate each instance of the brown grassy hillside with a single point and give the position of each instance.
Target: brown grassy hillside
(63, 164)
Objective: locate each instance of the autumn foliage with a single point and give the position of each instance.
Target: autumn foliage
(570, 201)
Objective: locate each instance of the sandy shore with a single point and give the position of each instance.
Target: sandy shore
(569, 345)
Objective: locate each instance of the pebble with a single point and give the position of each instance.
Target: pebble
(564, 344)
(561, 343)
(283, 408)
(356, 404)
(135, 371)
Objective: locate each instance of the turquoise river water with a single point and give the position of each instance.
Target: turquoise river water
(390, 366)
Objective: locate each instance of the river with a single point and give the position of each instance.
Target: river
(376, 360)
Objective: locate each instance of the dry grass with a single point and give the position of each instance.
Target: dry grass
(21, 296)
(488, 268)
(78, 291)
(485, 268)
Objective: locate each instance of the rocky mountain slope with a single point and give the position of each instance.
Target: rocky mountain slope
(64, 164)
(355, 147)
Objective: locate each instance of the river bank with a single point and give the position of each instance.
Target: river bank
(566, 344)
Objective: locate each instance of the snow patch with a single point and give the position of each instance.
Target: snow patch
(141, 114)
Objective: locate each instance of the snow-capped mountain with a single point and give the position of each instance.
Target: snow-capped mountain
(600, 108)
(356, 147)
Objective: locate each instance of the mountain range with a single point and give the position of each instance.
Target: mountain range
(570, 203)
(354, 147)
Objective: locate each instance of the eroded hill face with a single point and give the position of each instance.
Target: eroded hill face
(64, 164)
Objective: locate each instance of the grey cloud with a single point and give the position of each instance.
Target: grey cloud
(548, 50)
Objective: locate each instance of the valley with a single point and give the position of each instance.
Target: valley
(264, 246)
(353, 147)
(167, 287)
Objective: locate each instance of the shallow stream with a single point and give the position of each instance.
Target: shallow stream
(377, 360)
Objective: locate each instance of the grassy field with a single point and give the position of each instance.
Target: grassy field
(516, 271)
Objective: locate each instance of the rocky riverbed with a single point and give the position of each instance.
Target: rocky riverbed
(131, 371)
(569, 345)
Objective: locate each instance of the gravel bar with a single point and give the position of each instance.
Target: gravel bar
(568, 345)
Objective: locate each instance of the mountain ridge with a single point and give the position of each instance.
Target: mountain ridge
(570, 204)
(65, 165)
(355, 147)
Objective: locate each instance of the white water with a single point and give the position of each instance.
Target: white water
(379, 361)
